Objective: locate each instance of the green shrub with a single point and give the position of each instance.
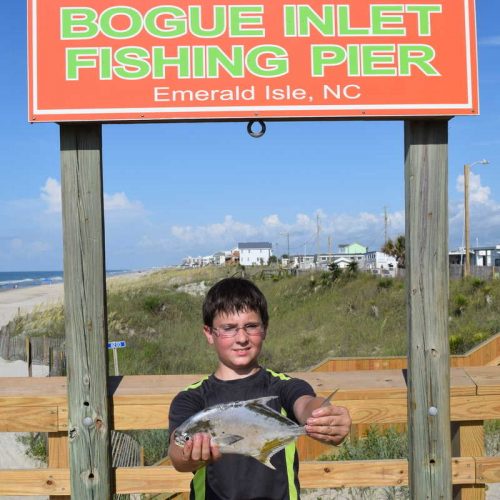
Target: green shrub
(375, 445)
(460, 303)
(36, 445)
(153, 304)
(154, 443)
(477, 283)
(457, 344)
(385, 283)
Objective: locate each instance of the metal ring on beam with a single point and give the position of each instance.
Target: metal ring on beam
(256, 133)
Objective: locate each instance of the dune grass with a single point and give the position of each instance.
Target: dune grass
(312, 317)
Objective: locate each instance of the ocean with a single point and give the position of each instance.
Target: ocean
(20, 279)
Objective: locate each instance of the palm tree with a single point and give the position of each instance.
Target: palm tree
(352, 268)
(396, 249)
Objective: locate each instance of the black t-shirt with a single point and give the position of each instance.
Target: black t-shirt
(238, 477)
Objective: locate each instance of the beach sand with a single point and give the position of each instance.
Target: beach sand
(24, 300)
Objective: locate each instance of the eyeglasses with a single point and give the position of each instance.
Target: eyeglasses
(229, 331)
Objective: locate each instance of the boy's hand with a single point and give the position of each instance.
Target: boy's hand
(329, 424)
(200, 449)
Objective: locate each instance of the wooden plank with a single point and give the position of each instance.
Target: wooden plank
(85, 310)
(378, 411)
(375, 473)
(357, 384)
(28, 419)
(58, 450)
(488, 469)
(486, 378)
(58, 456)
(475, 408)
(24, 482)
(468, 440)
(426, 236)
(35, 391)
(140, 417)
(161, 389)
(158, 479)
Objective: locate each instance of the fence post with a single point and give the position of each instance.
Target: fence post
(29, 356)
(426, 200)
(468, 441)
(58, 456)
(85, 311)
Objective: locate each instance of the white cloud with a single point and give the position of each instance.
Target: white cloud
(365, 228)
(217, 233)
(119, 201)
(51, 195)
(484, 214)
(20, 246)
(272, 221)
(477, 192)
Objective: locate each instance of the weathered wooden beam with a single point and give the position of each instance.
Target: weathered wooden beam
(426, 202)
(85, 310)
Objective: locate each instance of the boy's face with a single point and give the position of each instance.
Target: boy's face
(240, 353)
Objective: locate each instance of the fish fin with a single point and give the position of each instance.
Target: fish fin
(227, 440)
(268, 463)
(262, 401)
(328, 398)
(268, 452)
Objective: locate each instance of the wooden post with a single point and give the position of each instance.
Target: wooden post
(468, 441)
(58, 456)
(85, 311)
(29, 359)
(426, 192)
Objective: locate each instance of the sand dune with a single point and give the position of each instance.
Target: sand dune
(23, 300)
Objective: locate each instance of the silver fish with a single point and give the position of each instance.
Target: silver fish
(249, 428)
(243, 427)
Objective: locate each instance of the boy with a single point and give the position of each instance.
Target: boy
(235, 321)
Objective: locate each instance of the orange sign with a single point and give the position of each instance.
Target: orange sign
(149, 60)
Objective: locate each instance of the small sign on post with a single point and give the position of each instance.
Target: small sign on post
(114, 346)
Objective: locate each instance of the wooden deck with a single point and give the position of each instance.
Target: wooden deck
(142, 402)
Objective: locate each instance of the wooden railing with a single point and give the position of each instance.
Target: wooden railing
(142, 402)
(485, 354)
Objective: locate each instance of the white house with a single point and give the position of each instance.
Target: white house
(255, 254)
(379, 261)
(487, 256)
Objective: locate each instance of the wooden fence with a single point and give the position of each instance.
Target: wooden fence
(142, 402)
(485, 354)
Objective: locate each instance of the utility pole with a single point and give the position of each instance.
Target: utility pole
(385, 224)
(287, 243)
(467, 168)
(318, 230)
(466, 219)
(329, 244)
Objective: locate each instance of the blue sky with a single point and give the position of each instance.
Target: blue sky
(173, 190)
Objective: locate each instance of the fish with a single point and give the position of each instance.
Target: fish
(250, 428)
